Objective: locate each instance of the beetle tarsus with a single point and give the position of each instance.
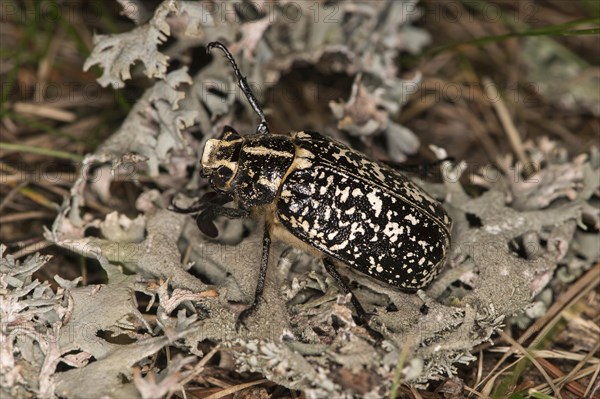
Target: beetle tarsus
(206, 212)
(241, 320)
(197, 207)
(361, 314)
(209, 209)
(208, 199)
(263, 127)
(362, 317)
(260, 285)
(212, 211)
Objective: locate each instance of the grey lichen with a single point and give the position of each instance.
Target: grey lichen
(153, 127)
(117, 53)
(31, 315)
(367, 114)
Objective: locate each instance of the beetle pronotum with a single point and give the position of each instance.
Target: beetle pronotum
(310, 189)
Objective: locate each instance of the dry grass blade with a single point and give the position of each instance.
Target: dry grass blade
(553, 354)
(201, 364)
(492, 377)
(509, 127)
(592, 370)
(569, 377)
(474, 392)
(44, 111)
(11, 194)
(580, 288)
(32, 248)
(236, 388)
(592, 381)
(560, 378)
(534, 361)
(18, 217)
(415, 393)
(34, 195)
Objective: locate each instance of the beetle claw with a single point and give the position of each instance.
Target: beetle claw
(207, 226)
(241, 320)
(376, 335)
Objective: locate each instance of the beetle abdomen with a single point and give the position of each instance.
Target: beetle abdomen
(352, 214)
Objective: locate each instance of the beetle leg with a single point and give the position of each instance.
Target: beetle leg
(360, 311)
(361, 314)
(206, 218)
(192, 209)
(212, 211)
(209, 199)
(206, 212)
(260, 286)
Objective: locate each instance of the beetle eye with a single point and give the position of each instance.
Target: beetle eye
(220, 177)
(224, 173)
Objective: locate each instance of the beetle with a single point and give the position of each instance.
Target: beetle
(312, 190)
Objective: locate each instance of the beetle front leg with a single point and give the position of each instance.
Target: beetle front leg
(262, 275)
(212, 211)
(207, 200)
(206, 218)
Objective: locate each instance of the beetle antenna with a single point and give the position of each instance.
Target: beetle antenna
(262, 126)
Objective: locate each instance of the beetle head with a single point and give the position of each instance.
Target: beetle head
(220, 159)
